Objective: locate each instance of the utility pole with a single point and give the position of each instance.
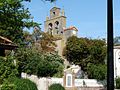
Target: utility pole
(110, 62)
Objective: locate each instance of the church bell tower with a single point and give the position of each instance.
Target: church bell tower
(56, 22)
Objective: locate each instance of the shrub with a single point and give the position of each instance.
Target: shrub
(25, 84)
(118, 83)
(19, 84)
(97, 71)
(8, 68)
(7, 86)
(56, 87)
(43, 65)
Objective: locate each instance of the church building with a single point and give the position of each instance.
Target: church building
(55, 24)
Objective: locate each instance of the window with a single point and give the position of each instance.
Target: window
(69, 80)
(119, 57)
(50, 26)
(56, 25)
(53, 13)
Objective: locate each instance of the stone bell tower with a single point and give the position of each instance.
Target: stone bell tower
(55, 23)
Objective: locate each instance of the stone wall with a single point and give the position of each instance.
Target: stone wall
(90, 88)
(44, 83)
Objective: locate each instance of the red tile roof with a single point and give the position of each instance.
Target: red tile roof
(71, 28)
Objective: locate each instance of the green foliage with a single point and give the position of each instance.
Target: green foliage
(77, 51)
(51, 65)
(118, 83)
(13, 18)
(97, 71)
(7, 68)
(117, 41)
(43, 42)
(32, 61)
(14, 83)
(8, 86)
(24, 84)
(47, 43)
(82, 51)
(97, 51)
(28, 60)
(89, 54)
(56, 87)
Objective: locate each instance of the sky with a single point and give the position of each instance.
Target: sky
(88, 16)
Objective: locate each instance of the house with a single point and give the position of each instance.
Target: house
(6, 44)
(116, 61)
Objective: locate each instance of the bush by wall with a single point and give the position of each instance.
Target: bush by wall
(34, 62)
(97, 71)
(8, 68)
(118, 83)
(18, 84)
(56, 87)
(8, 87)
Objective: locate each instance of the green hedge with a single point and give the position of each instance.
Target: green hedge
(97, 71)
(19, 84)
(56, 87)
(118, 83)
(8, 87)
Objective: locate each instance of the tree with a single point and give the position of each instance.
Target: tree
(97, 71)
(13, 18)
(32, 61)
(98, 51)
(47, 43)
(82, 51)
(40, 40)
(7, 68)
(77, 51)
(56, 62)
(117, 41)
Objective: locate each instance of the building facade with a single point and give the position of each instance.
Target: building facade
(116, 61)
